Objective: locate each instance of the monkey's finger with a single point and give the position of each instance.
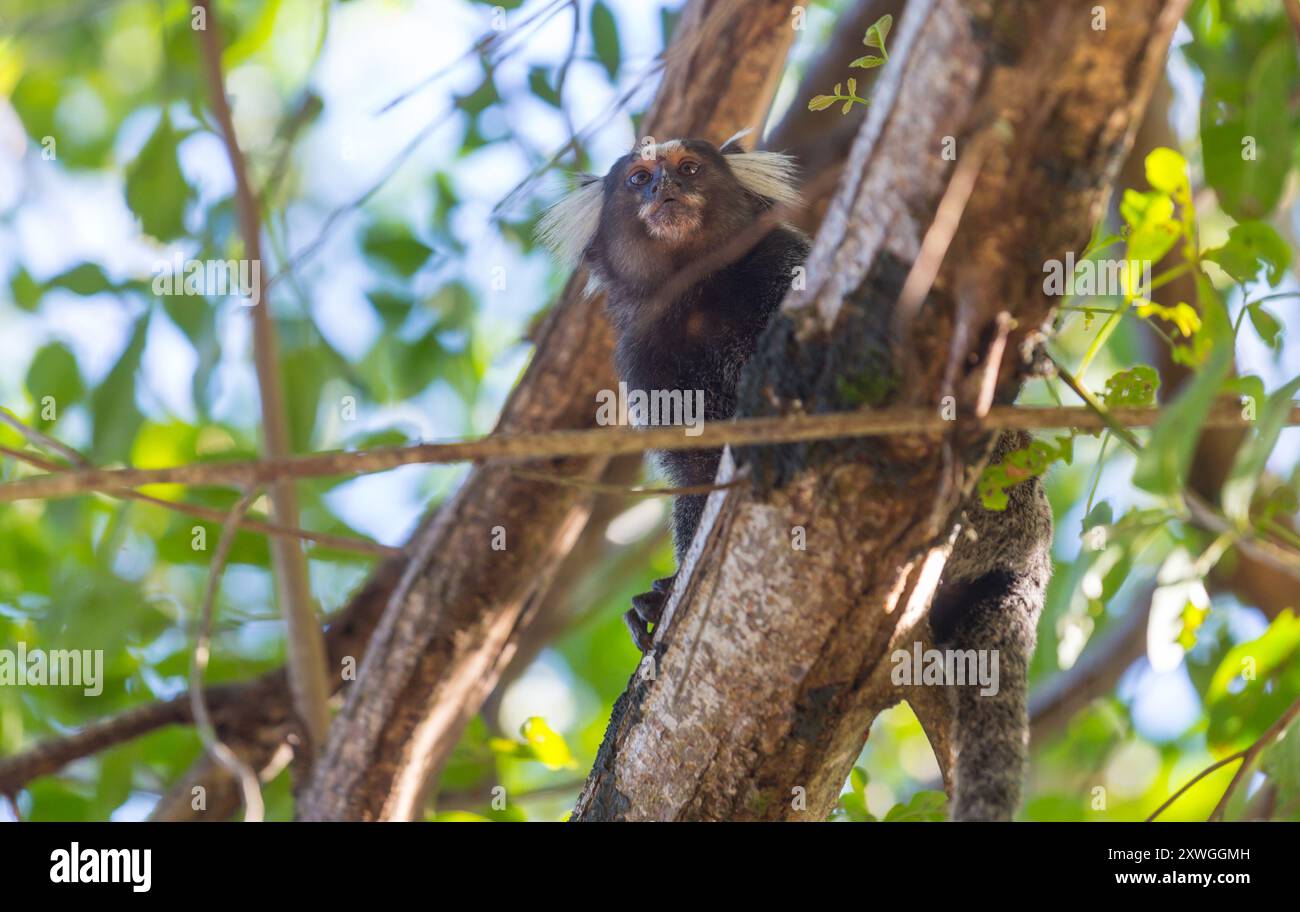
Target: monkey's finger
(649, 606)
(640, 633)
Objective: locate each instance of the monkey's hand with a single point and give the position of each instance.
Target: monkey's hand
(647, 609)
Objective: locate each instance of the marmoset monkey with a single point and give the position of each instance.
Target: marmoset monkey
(657, 235)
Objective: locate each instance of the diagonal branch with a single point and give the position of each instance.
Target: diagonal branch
(306, 651)
(451, 628)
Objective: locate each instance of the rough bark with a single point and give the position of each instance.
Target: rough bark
(449, 629)
(771, 662)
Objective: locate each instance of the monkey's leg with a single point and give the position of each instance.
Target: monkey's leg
(997, 615)
(685, 468)
(648, 607)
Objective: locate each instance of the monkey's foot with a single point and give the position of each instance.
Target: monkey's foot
(647, 609)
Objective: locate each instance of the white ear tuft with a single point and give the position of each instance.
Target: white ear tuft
(568, 226)
(732, 145)
(770, 175)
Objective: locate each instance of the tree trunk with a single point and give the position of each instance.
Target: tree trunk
(450, 627)
(772, 661)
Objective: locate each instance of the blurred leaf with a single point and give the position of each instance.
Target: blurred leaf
(1281, 761)
(113, 402)
(924, 806)
(1266, 325)
(1246, 141)
(1166, 170)
(396, 247)
(391, 308)
(25, 290)
(1153, 230)
(604, 35)
(85, 279)
(53, 372)
(1254, 684)
(155, 188)
(1250, 248)
(1239, 489)
(539, 83)
(1162, 464)
(548, 744)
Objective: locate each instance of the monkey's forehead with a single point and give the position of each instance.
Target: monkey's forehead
(670, 150)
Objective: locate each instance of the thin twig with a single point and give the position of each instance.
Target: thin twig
(1246, 756)
(211, 514)
(249, 785)
(525, 447)
(305, 646)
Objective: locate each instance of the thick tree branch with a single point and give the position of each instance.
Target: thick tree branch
(449, 630)
(755, 692)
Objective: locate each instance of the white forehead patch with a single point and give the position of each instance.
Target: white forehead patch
(652, 150)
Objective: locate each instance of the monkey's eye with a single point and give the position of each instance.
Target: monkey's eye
(688, 167)
(639, 178)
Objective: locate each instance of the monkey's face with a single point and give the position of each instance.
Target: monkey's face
(676, 195)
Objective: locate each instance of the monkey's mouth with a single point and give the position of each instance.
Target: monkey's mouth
(671, 218)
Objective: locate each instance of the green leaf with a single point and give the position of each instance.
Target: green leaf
(113, 402)
(396, 247)
(868, 62)
(1133, 388)
(821, 102)
(1239, 489)
(1246, 135)
(1100, 515)
(604, 35)
(53, 372)
(541, 743)
(1281, 761)
(155, 188)
(1251, 247)
(1153, 228)
(1166, 170)
(547, 744)
(1182, 315)
(878, 32)
(1254, 684)
(85, 279)
(1266, 325)
(924, 806)
(26, 292)
(1162, 464)
(540, 85)
(392, 308)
